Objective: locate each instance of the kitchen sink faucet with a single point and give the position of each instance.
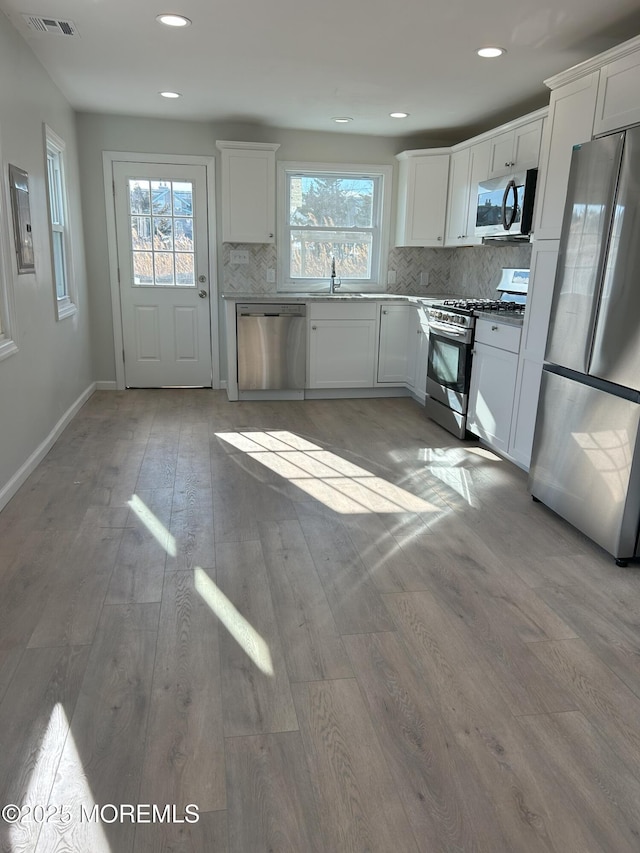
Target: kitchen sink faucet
(333, 285)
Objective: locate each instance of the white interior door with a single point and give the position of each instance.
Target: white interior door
(163, 262)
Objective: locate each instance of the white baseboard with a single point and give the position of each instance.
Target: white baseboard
(106, 385)
(353, 393)
(10, 488)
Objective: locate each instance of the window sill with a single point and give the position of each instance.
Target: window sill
(66, 309)
(7, 348)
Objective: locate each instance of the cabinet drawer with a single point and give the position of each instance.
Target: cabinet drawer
(342, 311)
(497, 334)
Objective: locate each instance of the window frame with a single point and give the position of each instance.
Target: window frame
(380, 227)
(55, 148)
(8, 343)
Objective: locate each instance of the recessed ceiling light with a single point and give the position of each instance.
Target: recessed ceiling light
(342, 119)
(170, 19)
(490, 52)
(399, 115)
(170, 94)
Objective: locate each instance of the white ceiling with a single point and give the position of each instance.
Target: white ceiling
(296, 63)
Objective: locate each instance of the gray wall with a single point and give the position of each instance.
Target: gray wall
(53, 365)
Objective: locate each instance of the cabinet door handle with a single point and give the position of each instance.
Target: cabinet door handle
(494, 328)
(313, 328)
(507, 165)
(384, 311)
(270, 236)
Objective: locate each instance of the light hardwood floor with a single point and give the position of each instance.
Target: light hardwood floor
(327, 624)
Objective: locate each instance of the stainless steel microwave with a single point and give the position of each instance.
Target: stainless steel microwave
(504, 207)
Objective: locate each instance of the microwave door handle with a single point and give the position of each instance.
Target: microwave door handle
(511, 187)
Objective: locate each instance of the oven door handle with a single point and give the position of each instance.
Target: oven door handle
(448, 330)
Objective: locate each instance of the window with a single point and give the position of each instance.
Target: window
(59, 225)
(330, 216)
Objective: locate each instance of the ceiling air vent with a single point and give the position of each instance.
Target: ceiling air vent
(51, 25)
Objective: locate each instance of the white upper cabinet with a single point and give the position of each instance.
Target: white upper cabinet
(570, 122)
(469, 166)
(458, 203)
(248, 192)
(618, 103)
(422, 197)
(515, 150)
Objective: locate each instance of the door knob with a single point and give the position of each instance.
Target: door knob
(202, 294)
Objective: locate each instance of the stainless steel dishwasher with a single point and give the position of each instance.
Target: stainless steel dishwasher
(272, 351)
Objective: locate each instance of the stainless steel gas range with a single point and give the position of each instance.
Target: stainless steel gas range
(451, 332)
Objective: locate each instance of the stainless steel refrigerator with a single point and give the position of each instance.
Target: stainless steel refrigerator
(586, 453)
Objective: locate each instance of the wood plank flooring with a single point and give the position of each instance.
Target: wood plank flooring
(328, 625)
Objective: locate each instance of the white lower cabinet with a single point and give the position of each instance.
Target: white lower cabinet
(525, 410)
(493, 382)
(342, 345)
(418, 353)
(393, 350)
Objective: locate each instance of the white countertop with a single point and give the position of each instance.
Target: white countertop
(333, 297)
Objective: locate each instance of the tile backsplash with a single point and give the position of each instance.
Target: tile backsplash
(251, 277)
(475, 270)
(472, 271)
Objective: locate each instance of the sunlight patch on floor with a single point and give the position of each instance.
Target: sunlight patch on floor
(242, 631)
(339, 484)
(60, 826)
(153, 524)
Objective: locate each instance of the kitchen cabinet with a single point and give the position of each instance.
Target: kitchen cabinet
(248, 192)
(544, 258)
(618, 105)
(342, 344)
(493, 381)
(418, 353)
(422, 197)
(393, 343)
(515, 150)
(570, 121)
(469, 166)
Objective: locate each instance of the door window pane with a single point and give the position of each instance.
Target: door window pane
(182, 199)
(162, 233)
(139, 197)
(163, 267)
(142, 268)
(162, 244)
(141, 232)
(185, 272)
